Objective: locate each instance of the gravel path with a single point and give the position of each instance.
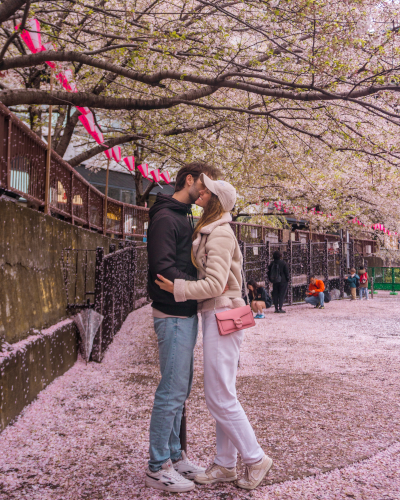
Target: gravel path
(321, 389)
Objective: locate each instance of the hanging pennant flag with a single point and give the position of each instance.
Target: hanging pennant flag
(155, 175)
(60, 77)
(165, 175)
(130, 162)
(88, 122)
(32, 38)
(84, 111)
(72, 87)
(116, 152)
(49, 46)
(67, 81)
(97, 135)
(144, 170)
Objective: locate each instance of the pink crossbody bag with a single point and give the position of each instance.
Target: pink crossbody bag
(236, 319)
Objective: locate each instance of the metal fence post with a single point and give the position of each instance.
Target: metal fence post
(242, 247)
(351, 252)
(341, 272)
(393, 292)
(266, 258)
(309, 260)
(134, 268)
(325, 265)
(98, 301)
(9, 133)
(290, 265)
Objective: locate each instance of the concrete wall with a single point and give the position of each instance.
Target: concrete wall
(32, 293)
(30, 365)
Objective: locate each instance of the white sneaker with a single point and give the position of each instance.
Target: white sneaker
(255, 473)
(216, 474)
(167, 479)
(186, 468)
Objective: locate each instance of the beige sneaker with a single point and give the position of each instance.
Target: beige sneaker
(255, 473)
(216, 474)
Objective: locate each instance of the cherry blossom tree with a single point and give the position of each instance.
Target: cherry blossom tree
(296, 100)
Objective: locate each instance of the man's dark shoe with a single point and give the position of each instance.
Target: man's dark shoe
(276, 311)
(281, 311)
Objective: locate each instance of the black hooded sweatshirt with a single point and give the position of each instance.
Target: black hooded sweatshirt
(169, 244)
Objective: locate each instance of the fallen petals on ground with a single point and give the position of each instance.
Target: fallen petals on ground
(319, 386)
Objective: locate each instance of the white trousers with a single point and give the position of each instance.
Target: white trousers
(234, 432)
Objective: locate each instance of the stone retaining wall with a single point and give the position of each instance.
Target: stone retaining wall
(32, 293)
(28, 366)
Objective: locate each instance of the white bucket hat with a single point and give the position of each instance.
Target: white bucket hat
(226, 192)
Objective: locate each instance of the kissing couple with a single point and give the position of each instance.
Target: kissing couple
(197, 269)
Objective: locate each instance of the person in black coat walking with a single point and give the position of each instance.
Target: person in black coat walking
(278, 275)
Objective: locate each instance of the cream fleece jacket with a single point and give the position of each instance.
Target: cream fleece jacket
(219, 259)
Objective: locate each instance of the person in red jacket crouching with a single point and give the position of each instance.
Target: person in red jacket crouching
(315, 294)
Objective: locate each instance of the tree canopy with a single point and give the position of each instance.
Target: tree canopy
(295, 100)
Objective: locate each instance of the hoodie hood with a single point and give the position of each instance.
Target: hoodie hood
(166, 201)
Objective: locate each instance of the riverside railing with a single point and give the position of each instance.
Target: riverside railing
(71, 197)
(23, 172)
(327, 260)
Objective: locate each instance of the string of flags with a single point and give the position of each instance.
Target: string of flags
(33, 40)
(301, 210)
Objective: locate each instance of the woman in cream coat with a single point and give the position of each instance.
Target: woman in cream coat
(217, 256)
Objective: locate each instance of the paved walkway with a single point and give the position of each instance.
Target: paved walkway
(320, 387)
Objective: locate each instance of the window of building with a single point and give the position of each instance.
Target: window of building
(128, 197)
(77, 200)
(61, 194)
(114, 193)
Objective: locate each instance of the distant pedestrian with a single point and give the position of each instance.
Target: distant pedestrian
(315, 294)
(278, 275)
(259, 298)
(363, 282)
(353, 280)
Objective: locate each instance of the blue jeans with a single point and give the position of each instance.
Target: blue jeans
(314, 300)
(176, 340)
(363, 291)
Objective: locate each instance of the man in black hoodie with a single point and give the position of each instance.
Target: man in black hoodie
(169, 244)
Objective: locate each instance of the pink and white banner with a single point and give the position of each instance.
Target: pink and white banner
(88, 122)
(144, 170)
(155, 174)
(165, 175)
(32, 38)
(130, 162)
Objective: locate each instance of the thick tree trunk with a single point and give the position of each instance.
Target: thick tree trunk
(142, 196)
